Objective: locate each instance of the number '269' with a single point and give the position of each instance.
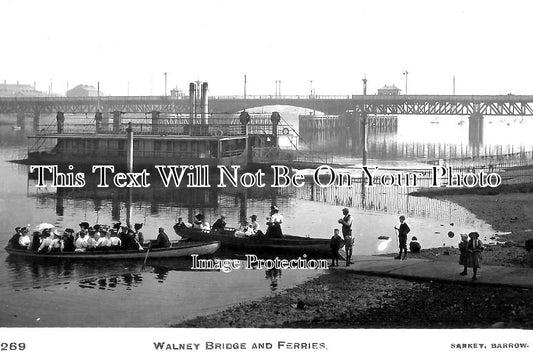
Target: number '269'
(12, 346)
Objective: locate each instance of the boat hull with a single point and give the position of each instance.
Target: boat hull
(178, 250)
(290, 244)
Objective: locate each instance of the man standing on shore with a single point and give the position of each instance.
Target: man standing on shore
(346, 222)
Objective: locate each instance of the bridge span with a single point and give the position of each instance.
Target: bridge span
(501, 105)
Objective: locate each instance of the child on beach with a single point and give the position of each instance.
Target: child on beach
(403, 230)
(335, 245)
(463, 257)
(414, 245)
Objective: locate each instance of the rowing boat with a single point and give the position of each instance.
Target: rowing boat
(287, 244)
(180, 249)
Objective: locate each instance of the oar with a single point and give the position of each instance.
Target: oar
(146, 257)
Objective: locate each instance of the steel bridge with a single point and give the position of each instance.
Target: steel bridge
(483, 105)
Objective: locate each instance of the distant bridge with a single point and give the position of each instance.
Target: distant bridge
(501, 105)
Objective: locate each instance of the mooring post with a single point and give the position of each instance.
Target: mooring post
(363, 124)
(129, 147)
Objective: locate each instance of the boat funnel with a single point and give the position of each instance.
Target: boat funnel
(204, 109)
(192, 103)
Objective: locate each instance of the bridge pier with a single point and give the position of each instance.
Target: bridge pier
(106, 120)
(117, 121)
(98, 118)
(475, 133)
(20, 119)
(36, 119)
(275, 118)
(156, 122)
(60, 118)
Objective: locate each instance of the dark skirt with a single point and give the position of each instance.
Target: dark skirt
(463, 259)
(474, 259)
(274, 231)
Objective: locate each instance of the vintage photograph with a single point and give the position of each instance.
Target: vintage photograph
(280, 164)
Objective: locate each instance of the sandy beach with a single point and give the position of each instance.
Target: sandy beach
(341, 300)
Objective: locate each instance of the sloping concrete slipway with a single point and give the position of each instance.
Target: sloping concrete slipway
(427, 270)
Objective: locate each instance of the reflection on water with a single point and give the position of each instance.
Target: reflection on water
(55, 293)
(273, 275)
(418, 138)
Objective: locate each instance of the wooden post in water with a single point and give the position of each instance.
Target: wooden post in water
(363, 125)
(129, 148)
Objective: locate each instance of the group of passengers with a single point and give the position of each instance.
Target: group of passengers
(246, 229)
(95, 238)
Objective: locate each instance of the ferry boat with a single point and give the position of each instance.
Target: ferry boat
(287, 244)
(174, 139)
(178, 249)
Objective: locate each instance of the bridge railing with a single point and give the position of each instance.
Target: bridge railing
(281, 97)
(148, 128)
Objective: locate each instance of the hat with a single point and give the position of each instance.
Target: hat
(69, 230)
(222, 216)
(253, 217)
(200, 216)
(473, 235)
(274, 207)
(116, 225)
(137, 226)
(345, 209)
(97, 227)
(414, 238)
(57, 233)
(85, 225)
(24, 229)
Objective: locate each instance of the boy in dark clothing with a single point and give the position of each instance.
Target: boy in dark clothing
(403, 230)
(162, 240)
(335, 245)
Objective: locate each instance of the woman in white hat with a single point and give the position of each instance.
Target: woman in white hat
(274, 223)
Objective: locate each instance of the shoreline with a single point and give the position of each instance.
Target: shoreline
(338, 299)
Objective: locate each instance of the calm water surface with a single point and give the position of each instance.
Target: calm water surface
(122, 294)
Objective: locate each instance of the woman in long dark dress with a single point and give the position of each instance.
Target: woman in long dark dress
(475, 247)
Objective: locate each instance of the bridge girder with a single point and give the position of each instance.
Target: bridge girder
(501, 105)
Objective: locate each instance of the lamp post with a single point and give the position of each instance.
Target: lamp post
(406, 73)
(165, 83)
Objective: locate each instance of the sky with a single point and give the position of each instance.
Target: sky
(486, 45)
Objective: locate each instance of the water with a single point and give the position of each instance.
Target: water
(124, 294)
